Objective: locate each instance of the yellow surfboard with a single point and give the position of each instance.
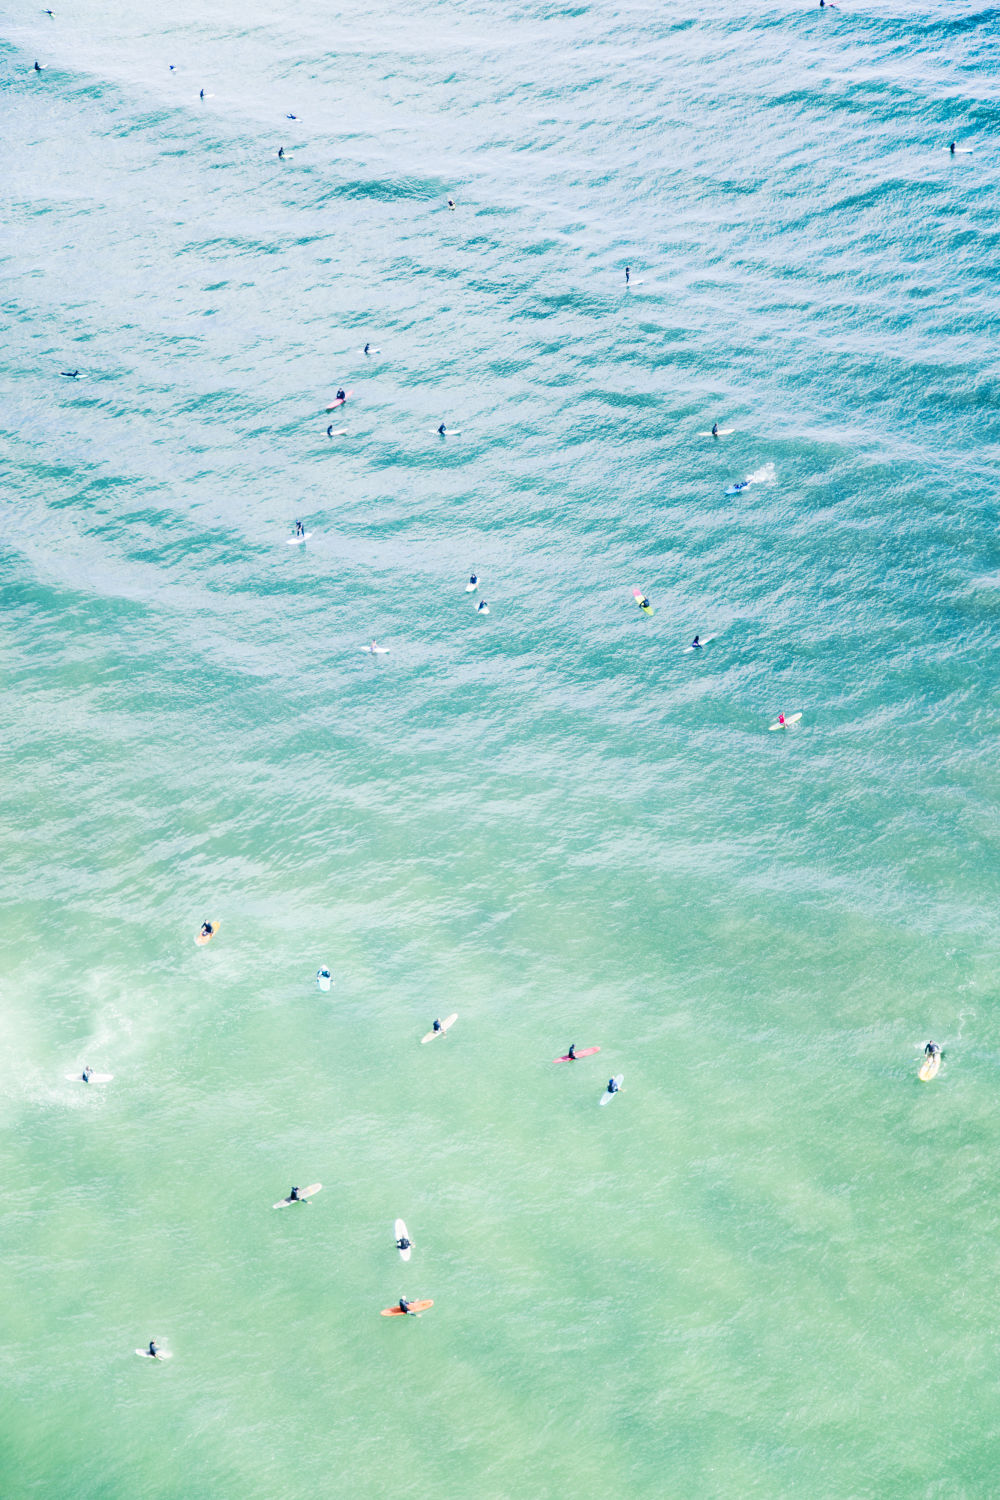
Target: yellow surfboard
(206, 937)
(930, 1067)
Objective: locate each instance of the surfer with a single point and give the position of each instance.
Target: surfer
(571, 1053)
(207, 930)
(404, 1306)
(325, 973)
(451, 203)
(715, 429)
(482, 608)
(154, 1349)
(201, 94)
(613, 1086)
(367, 349)
(696, 644)
(473, 580)
(281, 153)
(341, 395)
(437, 1025)
(644, 602)
(329, 430)
(628, 275)
(781, 721)
(85, 1075)
(70, 374)
(951, 148)
(403, 1243)
(38, 68)
(293, 1196)
(291, 117)
(300, 530)
(932, 1049)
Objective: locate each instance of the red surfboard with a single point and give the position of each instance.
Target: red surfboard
(415, 1307)
(339, 402)
(584, 1052)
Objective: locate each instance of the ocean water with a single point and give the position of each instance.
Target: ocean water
(769, 1267)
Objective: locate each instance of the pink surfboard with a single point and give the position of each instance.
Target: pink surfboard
(334, 404)
(584, 1052)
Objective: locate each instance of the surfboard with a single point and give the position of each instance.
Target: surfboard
(482, 608)
(94, 1078)
(639, 596)
(339, 401)
(605, 1097)
(737, 489)
(704, 642)
(448, 432)
(340, 432)
(722, 432)
(448, 1021)
(204, 938)
(960, 150)
(789, 719)
(375, 650)
(584, 1052)
(160, 1354)
(323, 979)
(470, 587)
(930, 1067)
(296, 541)
(401, 1234)
(304, 1193)
(415, 1309)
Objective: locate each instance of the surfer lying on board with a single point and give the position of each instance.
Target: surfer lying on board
(613, 1086)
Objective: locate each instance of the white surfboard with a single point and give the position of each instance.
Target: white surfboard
(376, 650)
(323, 979)
(789, 719)
(722, 432)
(470, 587)
(160, 1354)
(401, 1234)
(605, 1097)
(448, 432)
(448, 1021)
(94, 1078)
(340, 432)
(960, 150)
(704, 642)
(636, 281)
(482, 609)
(296, 541)
(304, 1193)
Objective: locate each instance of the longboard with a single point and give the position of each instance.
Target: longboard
(323, 979)
(94, 1078)
(639, 596)
(160, 1354)
(339, 402)
(470, 587)
(296, 541)
(206, 937)
(375, 650)
(401, 1234)
(722, 432)
(605, 1097)
(703, 642)
(584, 1052)
(448, 1021)
(415, 1308)
(304, 1193)
(340, 432)
(448, 432)
(930, 1067)
(789, 719)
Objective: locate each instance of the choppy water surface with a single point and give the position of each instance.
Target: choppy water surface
(769, 1267)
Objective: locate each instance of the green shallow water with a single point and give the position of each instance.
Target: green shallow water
(768, 1267)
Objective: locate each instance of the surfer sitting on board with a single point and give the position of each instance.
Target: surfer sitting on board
(437, 1026)
(404, 1307)
(571, 1054)
(932, 1049)
(696, 644)
(403, 1243)
(442, 430)
(715, 429)
(341, 395)
(154, 1349)
(293, 1196)
(85, 1075)
(207, 929)
(613, 1086)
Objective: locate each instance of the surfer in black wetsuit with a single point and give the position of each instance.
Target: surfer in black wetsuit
(154, 1349)
(932, 1049)
(613, 1086)
(404, 1306)
(951, 148)
(628, 275)
(403, 1243)
(207, 929)
(442, 430)
(366, 348)
(300, 530)
(281, 153)
(70, 374)
(38, 67)
(696, 645)
(201, 94)
(715, 429)
(437, 1026)
(85, 1075)
(571, 1054)
(293, 1196)
(644, 602)
(473, 580)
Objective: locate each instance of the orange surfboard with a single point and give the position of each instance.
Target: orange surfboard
(206, 937)
(415, 1307)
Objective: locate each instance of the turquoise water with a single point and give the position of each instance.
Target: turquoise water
(769, 1267)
